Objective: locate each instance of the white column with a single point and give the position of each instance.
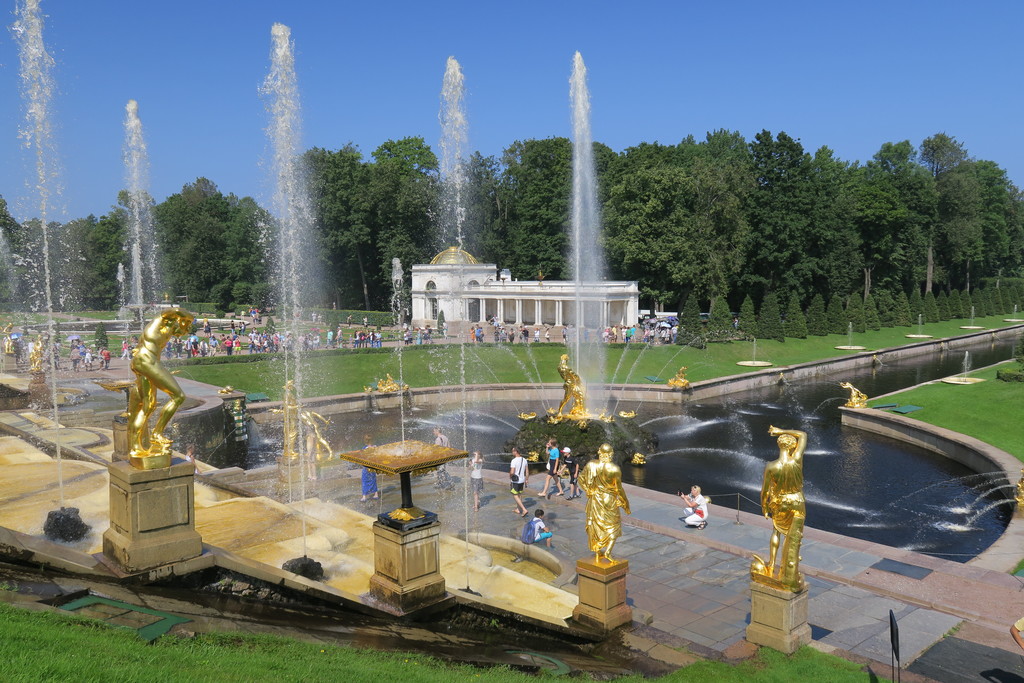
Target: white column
(536, 312)
(501, 310)
(519, 312)
(558, 313)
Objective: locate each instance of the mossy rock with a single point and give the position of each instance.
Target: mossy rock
(585, 437)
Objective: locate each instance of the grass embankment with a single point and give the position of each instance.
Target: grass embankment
(50, 646)
(991, 411)
(509, 363)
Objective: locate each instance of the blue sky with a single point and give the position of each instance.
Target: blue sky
(848, 75)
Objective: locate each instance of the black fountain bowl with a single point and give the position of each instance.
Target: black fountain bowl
(305, 566)
(585, 438)
(65, 525)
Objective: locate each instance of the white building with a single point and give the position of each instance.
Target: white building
(470, 292)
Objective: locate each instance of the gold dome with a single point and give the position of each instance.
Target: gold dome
(453, 256)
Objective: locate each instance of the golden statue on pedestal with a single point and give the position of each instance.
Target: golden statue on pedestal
(150, 449)
(35, 356)
(858, 399)
(8, 342)
(294, 415)
(601, 480)
(782, 500)
(574, 391)
(387, 385)
(679, 381)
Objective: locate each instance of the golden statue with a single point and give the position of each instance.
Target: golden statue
(150, 449)
(574, 391)
(858, 399)
(782, 499)
(601, 480)
(679, 381)
(319, 443)
(386, 386)
(294, 415)
(526, 417)
(290, 409)
(35, 356)
(1020, 491)
(8, 342)
(638, 459)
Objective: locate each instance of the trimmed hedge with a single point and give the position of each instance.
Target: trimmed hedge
(1010, 375)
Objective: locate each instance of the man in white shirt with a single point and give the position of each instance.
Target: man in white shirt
(519, 473)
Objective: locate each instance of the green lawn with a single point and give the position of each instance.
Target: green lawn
(491, 363)
(992, 411)
(43, 646)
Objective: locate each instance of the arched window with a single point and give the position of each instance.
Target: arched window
(431, 286)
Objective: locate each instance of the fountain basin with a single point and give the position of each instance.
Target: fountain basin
(962, 380)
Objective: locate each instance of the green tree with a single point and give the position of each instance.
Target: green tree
(967, 304)
(769, 319)
(940, 154)
(871, 318)
(942, 304)
(886, 307)
(796, 324)
(855, 313)
(100, 336)
(956, 308)
(916, 305)
(931, 310)
(836, 315)
(720, 320)
(748, 318)
(904, 313)
(690, 325)
(817, 321)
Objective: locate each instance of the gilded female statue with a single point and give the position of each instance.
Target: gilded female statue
(782, 500)
(601, 480)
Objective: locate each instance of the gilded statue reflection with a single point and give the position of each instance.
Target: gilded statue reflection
(149, 448)
(782, 500)
(574, 391)
(858, 399)
(601, 480)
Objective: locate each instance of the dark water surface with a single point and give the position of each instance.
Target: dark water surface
(856, 483)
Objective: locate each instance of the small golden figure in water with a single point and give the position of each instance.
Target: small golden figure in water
(679, 381)
(35, 356)
(601, 480)
(782, 500)
(319, 444)
(150, 449)
(574, 391)
(1020, 491)
(290, 409)
(858, 399)
(638, 459)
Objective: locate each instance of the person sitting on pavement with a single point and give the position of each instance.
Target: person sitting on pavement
(696, 510)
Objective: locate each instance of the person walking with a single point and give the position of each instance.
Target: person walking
(476, 477)
(554, 455)
(519, 474)
(572, 464)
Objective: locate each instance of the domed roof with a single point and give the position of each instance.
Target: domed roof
(453, 256)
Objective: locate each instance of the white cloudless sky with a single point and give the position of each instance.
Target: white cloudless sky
(850, 76)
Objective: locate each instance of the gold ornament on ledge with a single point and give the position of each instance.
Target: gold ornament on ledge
(526, 417)
(858, 399)
(680, 381)
(388, 385)
(638, 459)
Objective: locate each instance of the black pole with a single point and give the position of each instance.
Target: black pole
(406, 479)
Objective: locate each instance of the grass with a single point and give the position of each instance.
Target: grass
(992, 411)
(40, 646)
(327, 375)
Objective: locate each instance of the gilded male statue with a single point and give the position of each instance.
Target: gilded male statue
(574, 390)
(150, 376)
(601, 480)
(782, 500)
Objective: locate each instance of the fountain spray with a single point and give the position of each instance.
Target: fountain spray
(294, 217)
(142, 243)
(587, 260)
(37, 87)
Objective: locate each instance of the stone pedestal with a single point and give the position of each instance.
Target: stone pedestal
(289, 476)
(39, 394)
(602, 591)
(120, 429)
(407, 564)
(152, 516)
(778, 618)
